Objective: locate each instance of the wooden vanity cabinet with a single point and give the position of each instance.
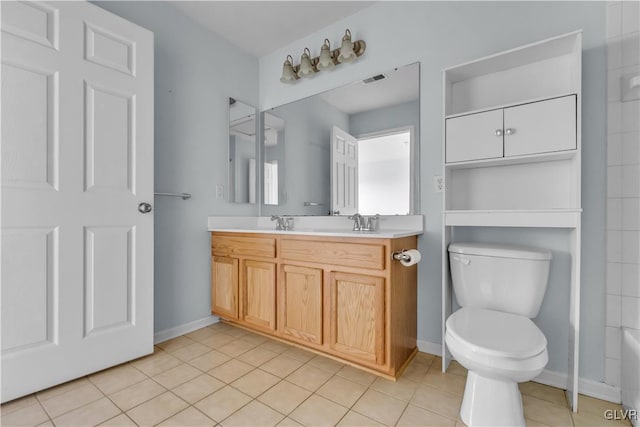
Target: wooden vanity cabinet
(343, 297)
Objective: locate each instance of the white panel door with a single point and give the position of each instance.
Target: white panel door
(344, 172)
(474, 137)
(77, 160)
(540, 127)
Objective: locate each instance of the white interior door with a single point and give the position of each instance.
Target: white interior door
(77, 160)
(344, 172)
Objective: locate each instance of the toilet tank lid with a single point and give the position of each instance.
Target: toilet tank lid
(500, 250)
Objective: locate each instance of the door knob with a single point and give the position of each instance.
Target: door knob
(144, 207)
(498, 132)
(509, 131)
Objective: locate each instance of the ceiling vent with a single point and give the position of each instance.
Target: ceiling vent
(374, 78)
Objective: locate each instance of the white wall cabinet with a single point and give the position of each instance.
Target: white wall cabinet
(512, 155)
(531, 128)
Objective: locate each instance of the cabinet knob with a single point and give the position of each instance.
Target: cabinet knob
(509, 131)
(498, 132)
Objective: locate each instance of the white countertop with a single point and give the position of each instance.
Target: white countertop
(389, 227)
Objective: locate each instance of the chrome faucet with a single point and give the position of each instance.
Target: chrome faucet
(283, 223)
(358, 222)
(370, 222)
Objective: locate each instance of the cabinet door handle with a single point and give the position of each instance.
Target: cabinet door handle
(498, 132)
(509, 131)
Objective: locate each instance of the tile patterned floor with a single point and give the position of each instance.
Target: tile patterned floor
(222, 375)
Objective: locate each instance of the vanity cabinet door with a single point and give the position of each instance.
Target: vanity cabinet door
(540, 127)
(474, 137)
(300, 304)
(259, 294)
(357, 316)
(224, 287)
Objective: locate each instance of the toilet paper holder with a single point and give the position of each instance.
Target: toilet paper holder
(400, 255)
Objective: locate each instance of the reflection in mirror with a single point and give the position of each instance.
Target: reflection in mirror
(350, 149)
(242, 152)
(273, 157)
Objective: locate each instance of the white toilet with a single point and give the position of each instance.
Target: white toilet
(500, 289)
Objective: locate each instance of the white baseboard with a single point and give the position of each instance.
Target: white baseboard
(168, 334)
(555, 379)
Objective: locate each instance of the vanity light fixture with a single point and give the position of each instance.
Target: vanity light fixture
(348, 52)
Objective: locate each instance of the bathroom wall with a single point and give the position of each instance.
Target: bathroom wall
(623, 203)
(307, 136)
(442, 34)
(195, 74)
(381, 119)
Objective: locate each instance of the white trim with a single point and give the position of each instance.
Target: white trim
(587, 387)
(185, 328)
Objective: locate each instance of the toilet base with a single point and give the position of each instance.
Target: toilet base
(491, 402)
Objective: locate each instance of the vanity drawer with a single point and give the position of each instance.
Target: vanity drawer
(264, 247)
(335, 253)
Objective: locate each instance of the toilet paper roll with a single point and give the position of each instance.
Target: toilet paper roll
(414, 257)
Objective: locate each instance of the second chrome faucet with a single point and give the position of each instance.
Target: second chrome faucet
(283, 223)
(364, 223)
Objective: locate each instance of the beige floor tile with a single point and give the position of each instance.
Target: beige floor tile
(342, 391)
(275, 346)
(425, 357)
(289, 422)
(44, 424)
(255, 414)
(209, 360)
(528, 422)
(71, 400)
(176, 376)
(157, 409)
(137, 394)
(156, 363)
(544, 392)
(235, 331)
(20, 403)
(402, 389)
(437, 401)
(309, 377)
(61, 389)
(415, 416)
(456, 369)
(175, 343)
(120, 421)
(202, 334)
(198, 388)
(281, 366)
(236, 348)
(191, 351)
(230, 371)
(217, 340)
(254, 339)
(326, 364)
(546, 412)
(187, 418)
(284, 397)
(447, 382)
(318, 411)
(89, 415)
(587, 419)
(381, 407)
(299, 354)
(257, 356)
(30, 415)
(357, 375)
(114, 379)
(354, 419)
(223, 403)
(417, 369)
(255, 382)
(593, 406)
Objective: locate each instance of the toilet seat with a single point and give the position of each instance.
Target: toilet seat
(496, 334)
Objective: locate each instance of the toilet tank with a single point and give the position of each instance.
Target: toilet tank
(506, 278)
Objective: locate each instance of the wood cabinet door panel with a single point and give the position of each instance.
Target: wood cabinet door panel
(357, 316)
(224, 287)
(335, 253)
(259, 294)
(301, 304)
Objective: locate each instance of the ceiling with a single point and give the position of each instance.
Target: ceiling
(261, 27)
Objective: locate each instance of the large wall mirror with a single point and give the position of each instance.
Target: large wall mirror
(351, 149)
(242, 152)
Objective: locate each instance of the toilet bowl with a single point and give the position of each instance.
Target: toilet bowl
(500, 288)
(499, 350)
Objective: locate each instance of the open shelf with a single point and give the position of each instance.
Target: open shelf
(553, 218)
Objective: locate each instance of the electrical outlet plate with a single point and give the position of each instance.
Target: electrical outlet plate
(219, 192)
(438, 183)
